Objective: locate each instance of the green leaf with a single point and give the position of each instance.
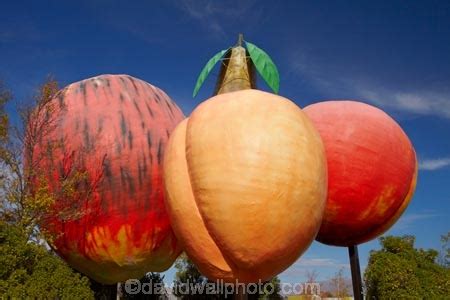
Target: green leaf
(207, 69)
(265, 66)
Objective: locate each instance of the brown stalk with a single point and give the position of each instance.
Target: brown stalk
(237, 71)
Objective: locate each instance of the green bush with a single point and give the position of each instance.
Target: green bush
(28, 270)
(399, 271)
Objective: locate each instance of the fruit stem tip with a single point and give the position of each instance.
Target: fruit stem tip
(240, 39)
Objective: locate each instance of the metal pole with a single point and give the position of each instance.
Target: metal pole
(240, 294)
(104, 291)
(356, 272)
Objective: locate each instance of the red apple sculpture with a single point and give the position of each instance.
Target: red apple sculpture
(372, 171)
(112, 131)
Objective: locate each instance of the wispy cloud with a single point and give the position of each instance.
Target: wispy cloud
(422, 102)
(408, 220)
(300, 267)
(19, 30)
(140, 32)
(215, 15)
(418, 102)
(319, 262)
(434, 164)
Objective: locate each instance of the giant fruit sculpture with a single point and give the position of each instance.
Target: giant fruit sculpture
(111, 129)
(372, 171)
(245, 177)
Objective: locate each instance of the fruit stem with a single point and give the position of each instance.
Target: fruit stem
(237, 70)
(240, 39)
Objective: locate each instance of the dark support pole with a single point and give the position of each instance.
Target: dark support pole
(356, 272)
(240, 294)
(104, 291)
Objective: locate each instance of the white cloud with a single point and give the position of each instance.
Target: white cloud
(419, 102)
(303, 264)
(319, 262)
(19, 30)
(214, 15)
(408, 220)
(434, 164)
(423, 102)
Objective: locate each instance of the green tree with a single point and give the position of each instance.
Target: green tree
(187, 273)
(275, 293)
(400, 271)
(152, 288)
(444, 255)
(5, 96)
(27, 268)
(23, 203)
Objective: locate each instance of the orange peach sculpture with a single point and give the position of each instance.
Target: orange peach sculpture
(245, 178)
(372, 171)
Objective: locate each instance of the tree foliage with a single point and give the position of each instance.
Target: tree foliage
(154, 290)
(27, 268)
(400, 271)
(20, 204)
(339, 284)
(41, 180)
(275, 293)
(444, 255)
(188, 274)
(5, 96)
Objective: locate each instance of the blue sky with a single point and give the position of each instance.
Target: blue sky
(392, 54)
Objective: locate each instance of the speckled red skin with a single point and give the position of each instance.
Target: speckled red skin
(372, 171)
(117, 126)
